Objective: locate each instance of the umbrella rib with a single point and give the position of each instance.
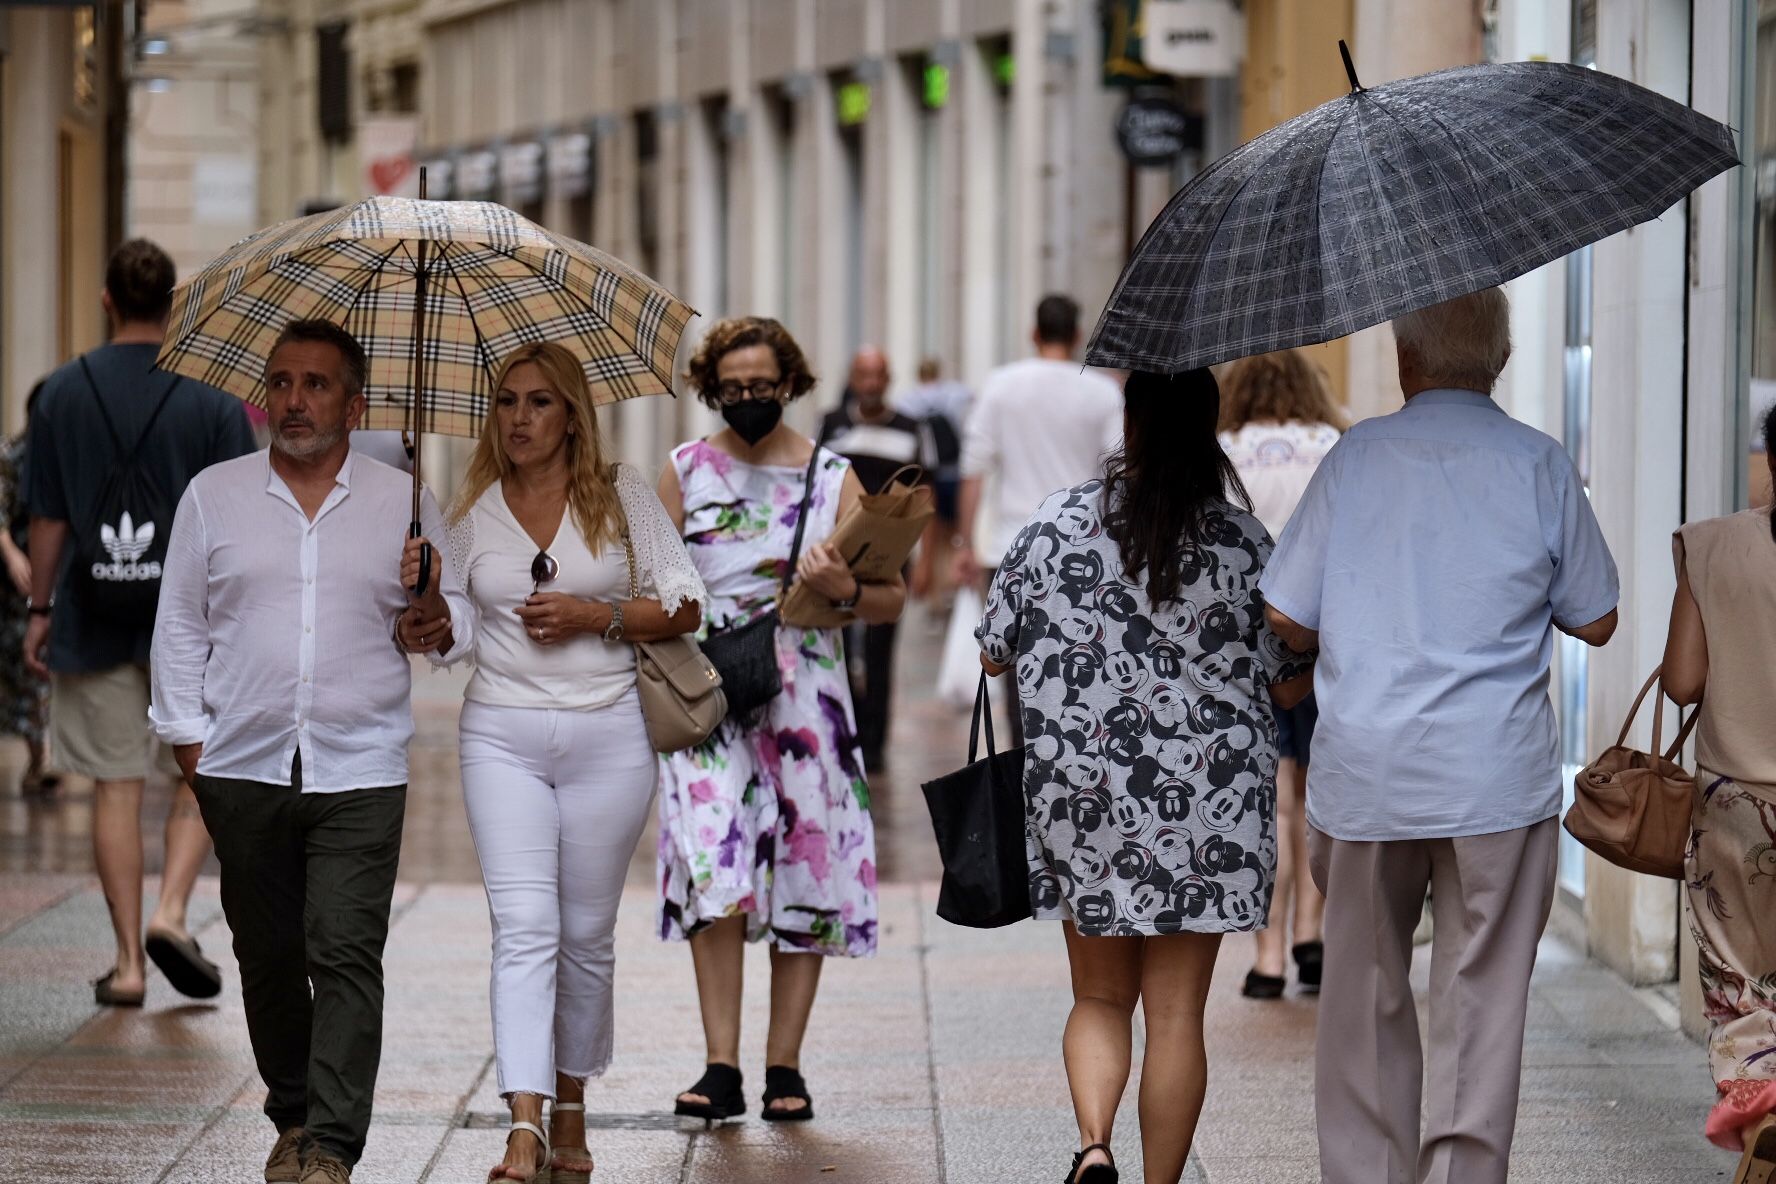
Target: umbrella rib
(365, 290)
(1461, 155)
(469, 313)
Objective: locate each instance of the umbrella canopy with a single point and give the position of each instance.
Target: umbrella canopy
(1397, 198)
(494, 282)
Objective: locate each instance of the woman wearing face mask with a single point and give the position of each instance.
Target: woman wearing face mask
(556, 766)
(765, 831)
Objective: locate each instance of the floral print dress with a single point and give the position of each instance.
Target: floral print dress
(1150, 758)
(769, 819)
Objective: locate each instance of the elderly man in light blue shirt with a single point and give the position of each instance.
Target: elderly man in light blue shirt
(1429, 561)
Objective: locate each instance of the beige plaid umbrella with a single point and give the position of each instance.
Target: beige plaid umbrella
(459, 284)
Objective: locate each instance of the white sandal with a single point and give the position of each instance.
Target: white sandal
(503, 1171)
(585, 1152)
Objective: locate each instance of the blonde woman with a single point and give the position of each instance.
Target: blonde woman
(557, 771)
(1278, 422)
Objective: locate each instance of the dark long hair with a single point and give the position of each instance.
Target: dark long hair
(1167, 475)
(1770, 452)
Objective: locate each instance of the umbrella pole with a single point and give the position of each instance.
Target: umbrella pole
(415, 410)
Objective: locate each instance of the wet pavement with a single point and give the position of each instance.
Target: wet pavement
(936, 1061)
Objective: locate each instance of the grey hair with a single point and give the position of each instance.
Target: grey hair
(1462, 343)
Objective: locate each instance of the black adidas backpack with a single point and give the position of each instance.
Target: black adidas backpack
(120, 549)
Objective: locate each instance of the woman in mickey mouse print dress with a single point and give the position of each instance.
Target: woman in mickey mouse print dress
(1130, 609)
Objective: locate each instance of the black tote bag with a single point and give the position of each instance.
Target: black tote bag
(978, 816)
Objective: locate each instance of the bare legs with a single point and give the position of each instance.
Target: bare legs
(117, 849)
(1293, 886)
(718, 953)
(524, 1151)
(1170, 977)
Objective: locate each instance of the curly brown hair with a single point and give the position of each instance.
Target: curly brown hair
(1282, 387)
(724, 337)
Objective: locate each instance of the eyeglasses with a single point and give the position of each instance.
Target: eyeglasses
(759, 388)
(543, 570)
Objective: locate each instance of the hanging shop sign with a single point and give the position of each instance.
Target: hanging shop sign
(477, 173)
(521, 172)
(1155, 130)
(570, 164)
(1193, 38)
(388, 149)
(1124, 62)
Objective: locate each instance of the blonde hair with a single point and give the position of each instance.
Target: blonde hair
(1462, 343)
(591, 485)
(1282, 387)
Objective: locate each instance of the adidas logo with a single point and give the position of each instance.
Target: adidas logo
(126, 543)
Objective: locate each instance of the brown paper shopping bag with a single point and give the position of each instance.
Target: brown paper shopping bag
(875, 538)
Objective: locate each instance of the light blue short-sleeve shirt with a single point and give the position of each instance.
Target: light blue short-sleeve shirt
(1434, 550)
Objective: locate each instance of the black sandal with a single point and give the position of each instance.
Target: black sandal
(721, 1085)
(1097, 1173)
(1263, 986)
(782, 1084)
(1310, 961)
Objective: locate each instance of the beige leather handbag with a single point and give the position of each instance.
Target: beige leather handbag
(1633, 808)
(681, 696)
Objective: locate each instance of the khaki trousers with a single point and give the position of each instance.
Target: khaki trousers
(1490, 896)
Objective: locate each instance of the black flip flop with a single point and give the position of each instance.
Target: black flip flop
(105, 995)
(782, 1083)
(181, 960)
(721, 1085)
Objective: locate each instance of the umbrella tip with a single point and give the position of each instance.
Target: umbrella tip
(1350, 68)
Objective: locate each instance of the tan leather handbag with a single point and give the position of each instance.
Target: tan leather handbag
(1633, 808)
(681, 695)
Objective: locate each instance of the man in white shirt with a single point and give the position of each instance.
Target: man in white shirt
(1038, 426)
(280, 680)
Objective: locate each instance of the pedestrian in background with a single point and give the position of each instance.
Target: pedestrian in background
(113, 444)
(24, 696)
(878, 441)
(281, 678)
(765, 830)
(557, 770)
(1039, 425)
(1277, 424)
(1721, 654)
(1429, 560)
(942, 406)
(1129, 609)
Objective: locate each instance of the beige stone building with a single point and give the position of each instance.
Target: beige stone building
(60, 187)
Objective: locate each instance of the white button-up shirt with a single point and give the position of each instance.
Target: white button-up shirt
(275, 633)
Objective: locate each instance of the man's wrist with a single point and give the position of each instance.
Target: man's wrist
(40, 610)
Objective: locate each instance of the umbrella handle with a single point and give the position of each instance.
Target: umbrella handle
(425, 563)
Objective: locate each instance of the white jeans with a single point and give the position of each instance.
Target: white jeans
(556, 802)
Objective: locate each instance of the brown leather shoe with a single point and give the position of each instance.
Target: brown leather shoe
(324, 1169)
(285, 1163)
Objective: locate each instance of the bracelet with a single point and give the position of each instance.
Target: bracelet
(850, 602)
(40, 610)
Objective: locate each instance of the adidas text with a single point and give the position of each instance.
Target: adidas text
(125, 572)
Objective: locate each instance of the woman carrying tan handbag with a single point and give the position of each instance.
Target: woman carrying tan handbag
(1721, 653)
(554, 547)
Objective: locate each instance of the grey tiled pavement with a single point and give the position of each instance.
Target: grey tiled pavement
(939, 1060)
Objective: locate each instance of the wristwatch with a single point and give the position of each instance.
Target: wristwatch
(40, 610)
(850, 602)
(614, 630)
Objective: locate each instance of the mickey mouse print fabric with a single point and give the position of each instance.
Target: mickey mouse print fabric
(1150, 767)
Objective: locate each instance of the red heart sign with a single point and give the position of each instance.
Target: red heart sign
(390, 172)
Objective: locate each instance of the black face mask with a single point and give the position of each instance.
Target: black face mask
(753, 419)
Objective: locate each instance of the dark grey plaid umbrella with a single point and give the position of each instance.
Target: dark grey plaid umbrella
(1397, 198)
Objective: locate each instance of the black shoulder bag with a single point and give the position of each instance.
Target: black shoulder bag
(120, 548)
(746, 657)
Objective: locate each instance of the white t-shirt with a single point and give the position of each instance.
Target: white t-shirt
(1038, 426)
(494, 555)
(1276, 461)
